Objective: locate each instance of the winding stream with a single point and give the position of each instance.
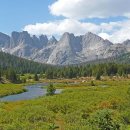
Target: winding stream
(33, 91)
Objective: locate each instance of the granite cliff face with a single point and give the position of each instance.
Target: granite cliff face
(4, 41)
(70, 49)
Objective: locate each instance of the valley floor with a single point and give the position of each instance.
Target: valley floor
(96, 105)
(10, 89)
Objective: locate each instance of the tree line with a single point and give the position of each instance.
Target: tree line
(11, 67)
(89, 70)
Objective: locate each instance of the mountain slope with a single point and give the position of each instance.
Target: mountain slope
(21, 65)
(70, 49)
(120, 59)
(77, 49)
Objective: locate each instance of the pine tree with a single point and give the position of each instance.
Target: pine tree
(36, 78)
(98, 76)
(0, 75)
(50, 90)
(11, 75)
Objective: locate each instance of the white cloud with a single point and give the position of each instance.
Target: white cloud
(104, 35)
(74, 10)
(116, 32)
(81, 9)
(113, 31)
(122, 33)
(61, 26)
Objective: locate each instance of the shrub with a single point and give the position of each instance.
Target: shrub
(126, 117)
(53, 127)
(50, 90)
(92, 83)
(104, 120)
(98, 76)
(36, 78)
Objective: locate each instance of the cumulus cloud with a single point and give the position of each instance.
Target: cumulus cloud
(121, 33)
(61, 26)
(75, 10)
(113, 31)
(81, 9)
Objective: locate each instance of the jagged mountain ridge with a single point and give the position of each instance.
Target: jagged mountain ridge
(70, 49)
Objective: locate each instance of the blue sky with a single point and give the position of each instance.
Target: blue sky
(15, 14)
(108, 19)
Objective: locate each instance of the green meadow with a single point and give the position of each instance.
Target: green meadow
(103, 106)
(10, 89)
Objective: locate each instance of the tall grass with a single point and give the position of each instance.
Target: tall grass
(9, 89)
(74, 109)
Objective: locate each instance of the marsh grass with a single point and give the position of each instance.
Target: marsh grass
(73, 109)
(10, 89)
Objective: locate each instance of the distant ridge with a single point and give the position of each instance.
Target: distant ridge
(70, 49)
(120, 59)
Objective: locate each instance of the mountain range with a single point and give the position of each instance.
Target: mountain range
(70, 49)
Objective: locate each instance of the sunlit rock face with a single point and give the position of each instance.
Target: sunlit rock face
(70, 49)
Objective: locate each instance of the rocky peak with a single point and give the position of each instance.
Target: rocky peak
(36, 41)
(18, 38)
(70, 49)
(67, 36)
(14, 40)
(25, 36)
(52, 40)
(4, 40)
(43, 40)
(126, 42)
(92, 41)
(15, 34)
(91, 36)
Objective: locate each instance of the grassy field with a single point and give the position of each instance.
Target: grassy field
(80, 107)
(9, 89)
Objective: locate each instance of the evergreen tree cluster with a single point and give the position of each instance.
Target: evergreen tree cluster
(20, 65)
(12, 66)
(89, 70)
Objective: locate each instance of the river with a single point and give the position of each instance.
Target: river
(33, 91)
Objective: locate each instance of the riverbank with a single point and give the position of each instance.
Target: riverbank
(10, 89)
(32, 91)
